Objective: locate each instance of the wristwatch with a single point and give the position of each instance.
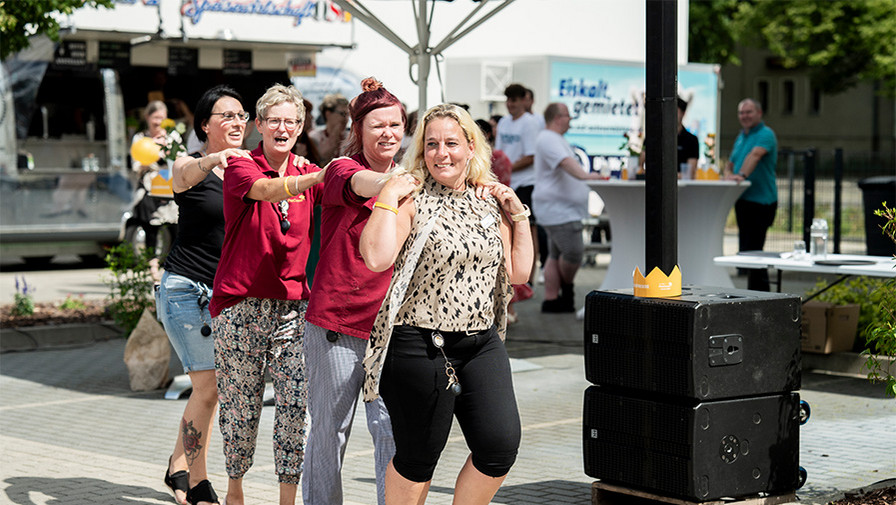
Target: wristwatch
(522, 215)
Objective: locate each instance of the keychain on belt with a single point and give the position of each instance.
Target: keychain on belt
(453, 384)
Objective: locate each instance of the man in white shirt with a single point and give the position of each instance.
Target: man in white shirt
(516, 137)
(561, 200)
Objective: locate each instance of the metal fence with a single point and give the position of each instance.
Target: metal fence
(831, 179)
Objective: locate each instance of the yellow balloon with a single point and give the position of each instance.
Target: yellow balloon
(145, 151)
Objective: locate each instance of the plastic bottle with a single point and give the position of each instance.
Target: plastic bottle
(818, 234)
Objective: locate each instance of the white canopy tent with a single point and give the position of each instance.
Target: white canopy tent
(422, 53)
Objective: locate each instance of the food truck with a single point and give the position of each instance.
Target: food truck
(70, 108)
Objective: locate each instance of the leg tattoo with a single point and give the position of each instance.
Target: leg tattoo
(191, 437)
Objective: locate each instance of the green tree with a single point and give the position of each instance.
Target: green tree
(839, 42)
(22, 19)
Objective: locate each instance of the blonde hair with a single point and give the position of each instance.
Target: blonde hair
(479, 168)
(277, 94)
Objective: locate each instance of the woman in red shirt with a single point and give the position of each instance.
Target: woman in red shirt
(260, 293)
(346, 297)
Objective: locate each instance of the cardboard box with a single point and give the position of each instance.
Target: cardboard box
(828, 328)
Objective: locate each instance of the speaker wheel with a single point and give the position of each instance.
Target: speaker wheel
(802, 478)
(805, 411)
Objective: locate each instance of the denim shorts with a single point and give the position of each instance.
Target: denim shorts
(182, 307)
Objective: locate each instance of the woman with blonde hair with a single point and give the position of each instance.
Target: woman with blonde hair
(260, 294)
(457, 240)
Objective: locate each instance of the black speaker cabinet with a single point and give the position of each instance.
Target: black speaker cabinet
(693, 450)
(709, 343)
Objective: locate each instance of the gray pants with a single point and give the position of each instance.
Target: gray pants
(335, 377)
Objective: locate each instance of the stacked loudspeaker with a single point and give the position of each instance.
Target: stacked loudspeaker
(693, 396)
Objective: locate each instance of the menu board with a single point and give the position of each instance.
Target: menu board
(71, 53)
(183, 61)
(237, 62)
(114, 55)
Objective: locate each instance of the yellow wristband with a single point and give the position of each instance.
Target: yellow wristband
(386, 207)
(286, 185)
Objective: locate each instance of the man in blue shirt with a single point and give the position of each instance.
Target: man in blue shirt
(754, 158)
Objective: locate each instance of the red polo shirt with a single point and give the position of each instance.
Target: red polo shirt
(257, 259)
(346, 295)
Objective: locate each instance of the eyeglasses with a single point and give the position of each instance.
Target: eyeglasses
(229, 116)
(289, 124)
(283, 207)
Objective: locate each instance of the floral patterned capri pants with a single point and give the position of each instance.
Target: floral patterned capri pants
(251, 335)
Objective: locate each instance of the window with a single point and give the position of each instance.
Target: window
(815, 101)
(762, 93)
(788, 101)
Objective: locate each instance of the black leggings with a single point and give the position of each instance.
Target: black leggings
(413, 386)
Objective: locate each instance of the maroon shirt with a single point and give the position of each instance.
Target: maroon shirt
(346, 295)
(257, 259)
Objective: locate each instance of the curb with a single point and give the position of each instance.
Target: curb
(31, 338)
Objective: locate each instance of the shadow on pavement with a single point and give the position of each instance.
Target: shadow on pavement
(49, 491)
(94, 369)
(529, 493)
(838, 384)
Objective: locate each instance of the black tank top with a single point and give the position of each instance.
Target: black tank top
(200, 230)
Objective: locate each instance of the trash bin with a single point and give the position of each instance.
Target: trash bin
(875, 191)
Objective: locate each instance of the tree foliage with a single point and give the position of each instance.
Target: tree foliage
(22, 19)
(839, 42)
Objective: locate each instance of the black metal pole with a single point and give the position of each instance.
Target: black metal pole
(838, 197)
(661, 123)
(808, 192)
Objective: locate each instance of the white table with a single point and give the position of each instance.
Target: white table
(875, 266)
(703, 208)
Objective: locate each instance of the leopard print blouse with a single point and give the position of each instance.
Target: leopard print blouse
(456, 281)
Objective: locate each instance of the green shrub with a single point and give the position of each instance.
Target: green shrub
(876, 298)
(73, 303)
(131, 285)
(23, 304)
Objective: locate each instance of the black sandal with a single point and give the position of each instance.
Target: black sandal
(178, 481)
(202, 492)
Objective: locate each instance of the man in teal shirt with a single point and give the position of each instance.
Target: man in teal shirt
(754, 158)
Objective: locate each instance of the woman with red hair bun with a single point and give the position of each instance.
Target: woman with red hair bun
(346, 296)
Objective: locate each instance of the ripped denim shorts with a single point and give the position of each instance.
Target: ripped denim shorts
(182, 307)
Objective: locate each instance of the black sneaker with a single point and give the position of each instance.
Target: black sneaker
(558, 305)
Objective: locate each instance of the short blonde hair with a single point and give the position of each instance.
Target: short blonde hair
(277, 94)
(479, 168)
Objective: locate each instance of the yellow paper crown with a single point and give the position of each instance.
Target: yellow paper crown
(161, 186)
(657, 284)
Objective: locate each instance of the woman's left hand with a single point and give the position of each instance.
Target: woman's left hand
(300, 161)
(506, 197)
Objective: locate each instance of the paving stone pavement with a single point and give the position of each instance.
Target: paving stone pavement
(71, 432)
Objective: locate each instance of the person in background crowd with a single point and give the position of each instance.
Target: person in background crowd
(329, 138)
(529, 102)
(305, 147)
(502, 167)
(260, 294)
(346, 296)
(182, 297)
(561, 199)
(408, 134)
(150, 213)
(457, 241)
(688, 146)
(754, 158)
(516, 137)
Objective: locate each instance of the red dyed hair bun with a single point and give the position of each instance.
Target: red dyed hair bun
(370, 84)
